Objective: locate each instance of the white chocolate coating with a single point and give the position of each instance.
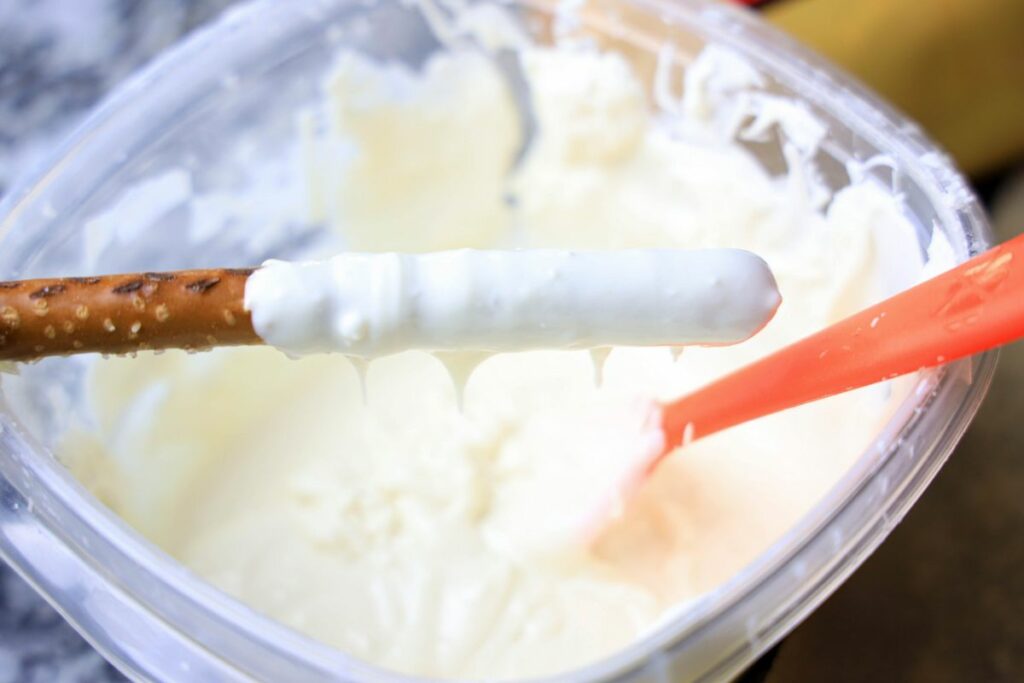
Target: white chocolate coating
(371, 305)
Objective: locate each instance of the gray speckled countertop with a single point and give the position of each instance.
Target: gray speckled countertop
(941, 600)
(57, 58)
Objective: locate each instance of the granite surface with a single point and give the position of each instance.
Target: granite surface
(940, 601)
(57, 58)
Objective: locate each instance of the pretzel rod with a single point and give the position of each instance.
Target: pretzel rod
(369, 305)
(188, 309)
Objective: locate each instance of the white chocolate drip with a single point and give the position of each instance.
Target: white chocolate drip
(460, 366)
(599, 356)
(361, 366)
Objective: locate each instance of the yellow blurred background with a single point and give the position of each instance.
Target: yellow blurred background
(955, 66)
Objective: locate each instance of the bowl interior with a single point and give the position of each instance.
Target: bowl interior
(153, 180)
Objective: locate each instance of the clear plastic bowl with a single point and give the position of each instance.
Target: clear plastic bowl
(198, 108)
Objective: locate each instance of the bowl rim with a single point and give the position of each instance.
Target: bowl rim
(768, 48)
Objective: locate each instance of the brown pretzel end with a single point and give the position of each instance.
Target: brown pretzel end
(115, 314)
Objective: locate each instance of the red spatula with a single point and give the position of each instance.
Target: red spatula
(976, 306)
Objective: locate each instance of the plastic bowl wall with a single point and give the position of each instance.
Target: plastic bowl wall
(230, 92)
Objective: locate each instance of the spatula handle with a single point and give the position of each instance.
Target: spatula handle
(974, 307)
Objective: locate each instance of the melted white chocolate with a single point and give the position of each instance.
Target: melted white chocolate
(441, 542)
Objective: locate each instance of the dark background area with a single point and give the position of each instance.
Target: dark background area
(941, 600)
